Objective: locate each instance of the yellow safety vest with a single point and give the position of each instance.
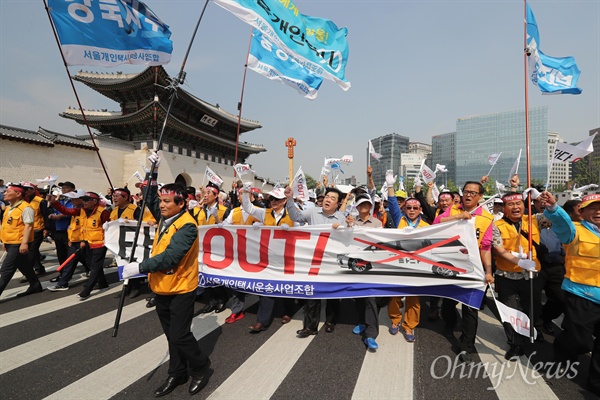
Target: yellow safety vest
(271, 221)
(74, 232)
(148, 217)
(128, 213)
(211, 220)
(511, 240)
(404, 223)
(93, 233)
(582, 260)
(184, 277)
(38, 219)
(13, 226)
(237, 218)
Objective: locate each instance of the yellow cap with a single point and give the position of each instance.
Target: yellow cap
(400, 193)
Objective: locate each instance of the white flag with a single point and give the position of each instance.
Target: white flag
(500, 187)
(401, 182)
(138, 176)
(435, 192)
(212, 177)
(566, 152)
(441, 168)
(299, 185)
(49, 180)
(586, 187)
(372, 151)
(243, 169)
(515, 168)
(517, 319)
(493, 158)
(427, 173)
(345, 159)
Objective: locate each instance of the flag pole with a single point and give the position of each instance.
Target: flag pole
(173, 86)
(96, 149)
(528, 153)
(239, 124)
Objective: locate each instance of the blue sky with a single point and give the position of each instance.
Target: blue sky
(415, 67)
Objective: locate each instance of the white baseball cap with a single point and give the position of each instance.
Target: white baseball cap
(75, 194)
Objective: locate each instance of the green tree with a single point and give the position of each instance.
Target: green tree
(451, 186)
(586, 171)
(310, 181)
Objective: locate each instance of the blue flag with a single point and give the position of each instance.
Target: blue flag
(270, 61)
(316, 43)
(552, 75)
(110, 33)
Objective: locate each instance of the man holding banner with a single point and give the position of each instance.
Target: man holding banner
(173, 275)
(472, 194)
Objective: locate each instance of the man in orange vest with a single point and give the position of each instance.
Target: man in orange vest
(173, 275)
(16, 235)
(92, 216)
(581, 284)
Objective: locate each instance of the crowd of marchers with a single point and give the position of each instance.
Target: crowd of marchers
(559, 274)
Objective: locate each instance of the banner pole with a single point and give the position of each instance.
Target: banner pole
(173, 86)
(239, 124)
(528, 155)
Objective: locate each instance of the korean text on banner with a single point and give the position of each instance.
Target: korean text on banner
(273, 63)
(108, 34)
(316, 43)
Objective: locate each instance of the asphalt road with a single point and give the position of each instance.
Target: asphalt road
(53, 345)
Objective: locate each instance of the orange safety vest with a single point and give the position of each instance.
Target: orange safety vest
(404, 223)
(184, 277)
(511, 240)
(582, 260)
(74, 232)
(13, 226)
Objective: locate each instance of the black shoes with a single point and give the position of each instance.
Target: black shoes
(170, 384)
(514, 352)
(329, 327)
(302, 333)
(31, 290)
(151, 302)
(219, 307)
(199, 382)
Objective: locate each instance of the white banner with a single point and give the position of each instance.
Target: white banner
(517, 319)
(566, 152)
(427, 173)
(319, 262)
(299, 185)
(212, 177)
(243, 169)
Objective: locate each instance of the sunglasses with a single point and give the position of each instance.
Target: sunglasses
(412, 208)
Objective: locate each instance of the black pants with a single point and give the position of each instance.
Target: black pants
(266, 306)
(583, 323)
(95, 261)
(175, 314)
(34, 251)
(508, 291)
(368, 313)
(312, 313)
(61, 241)
(66, 274)
(470, 321)
(15, 260)
(552, 276)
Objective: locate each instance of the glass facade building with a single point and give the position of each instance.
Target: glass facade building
(391, 148)
(479, 136)
(443, 152)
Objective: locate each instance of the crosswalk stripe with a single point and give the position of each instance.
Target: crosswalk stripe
(388, 372)
(9, 293)
(31, 351)
(46, 307)
(114, 377)
(262, 373)
(513, 381)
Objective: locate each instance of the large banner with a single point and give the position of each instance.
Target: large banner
(321, 262)
(110, 33)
